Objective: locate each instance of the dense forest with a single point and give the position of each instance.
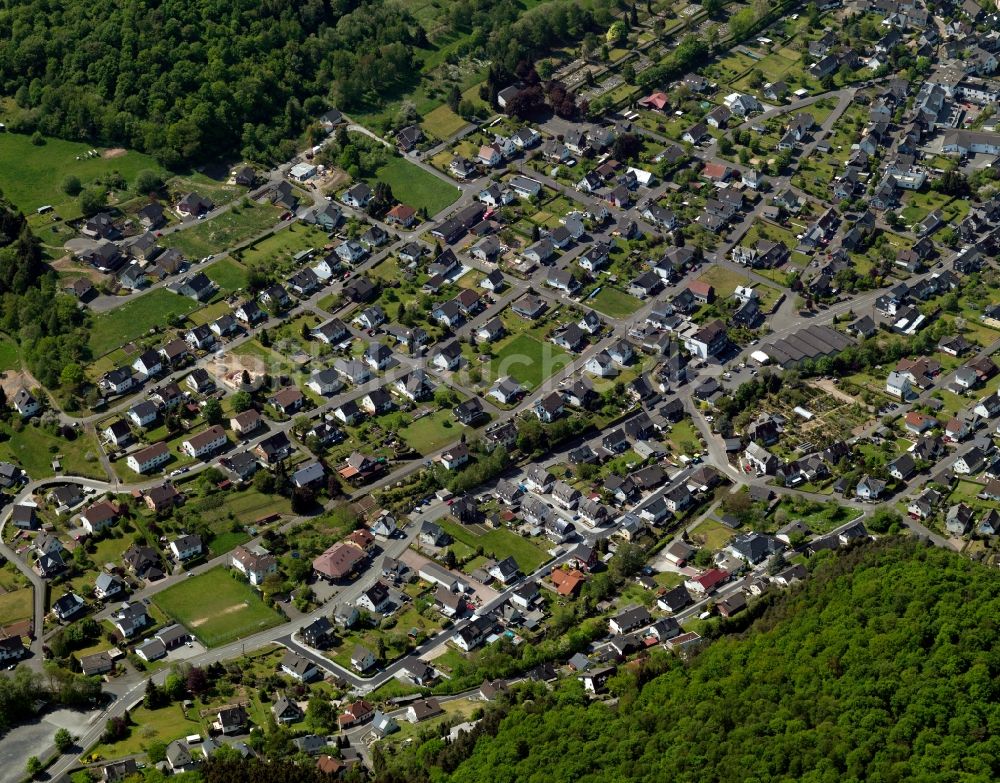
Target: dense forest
(189, 80)
(46, 323)
(883, 666)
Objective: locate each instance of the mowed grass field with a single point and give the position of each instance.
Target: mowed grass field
(527, 360)
(227, 274)
(615, 303)
(31, 176)
(442, 122)
(413, 186)
(16, 605)
(115, 328)
(163, 725)
(216, 608)
(723, 280)
(432, 432)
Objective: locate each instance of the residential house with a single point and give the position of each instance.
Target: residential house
(256, 564)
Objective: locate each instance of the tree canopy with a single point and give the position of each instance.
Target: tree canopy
(882, 666)
(32, 310)
(190, 80)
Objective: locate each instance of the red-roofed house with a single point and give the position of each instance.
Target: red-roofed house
(718, 172)
(354, 713)
(919, 422)
(338, 562)
(657, 100)
(567, 582)
(362, 539)
(489, 155)
(401, 215)
(707, 582)
(702, 291)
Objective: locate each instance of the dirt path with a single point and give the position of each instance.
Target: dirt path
(831, 389)
(228, 610)
(12, 380)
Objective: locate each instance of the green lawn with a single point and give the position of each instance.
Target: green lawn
(31, 176)
(498, 544)
(210, 312)
(225, 231)
(614, 303)
(711, 534)
(15, 605)
(820, 517)
(442, 123)
(243, 507)
(9, 359)
(685, 437)
(965, 491)
(918, 204)
(108, 550)
(224, 542)
(132, 320)
(227, 274)
(432, 432)
(413, 186)
(34, 448)
(216, 608)
(280, 248)
(163, 725)
(527, 360)
(398, 641)
(723, 280)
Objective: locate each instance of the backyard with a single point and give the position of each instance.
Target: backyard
(15, 605)
(432, 432)
(9, 359)
(711, 535)
(150, 726)
(244, 506)
(817, 516)
(498, 544)
(280, 248)
(442, 122)
(406, 628)
(216, 607)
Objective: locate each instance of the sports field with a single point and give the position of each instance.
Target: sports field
(216, 608)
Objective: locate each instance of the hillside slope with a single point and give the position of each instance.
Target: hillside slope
(882, 667)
